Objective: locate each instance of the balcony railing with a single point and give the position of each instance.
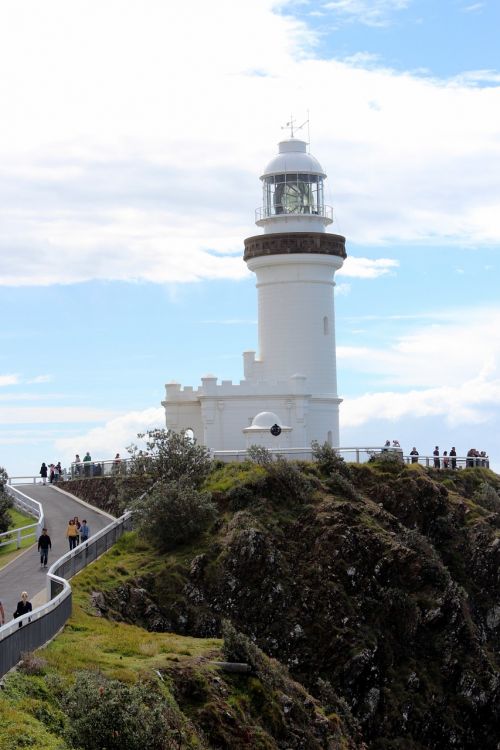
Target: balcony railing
(265, 212)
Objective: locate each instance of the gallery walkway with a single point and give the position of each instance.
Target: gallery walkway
(24, 573)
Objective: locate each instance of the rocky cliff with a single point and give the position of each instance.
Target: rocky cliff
(377, 586)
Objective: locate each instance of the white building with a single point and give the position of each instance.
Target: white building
(292, 381)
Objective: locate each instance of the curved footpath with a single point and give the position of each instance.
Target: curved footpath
(24, 573)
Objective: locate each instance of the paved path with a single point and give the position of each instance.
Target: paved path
(24, 573)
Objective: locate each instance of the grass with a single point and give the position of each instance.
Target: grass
(120, 650)
(88, 641)
(9, 552)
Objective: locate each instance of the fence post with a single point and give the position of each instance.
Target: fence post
(19, 539)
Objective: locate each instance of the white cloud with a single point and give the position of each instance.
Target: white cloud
(366, 268)
(473, 8)
(132, 166)
(470, 403)
(52, 414)
(449, 349)
(9, 380)
(368, 12)
(113, 437)
(40, 379)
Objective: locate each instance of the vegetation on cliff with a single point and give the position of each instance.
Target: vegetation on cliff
(376, 586)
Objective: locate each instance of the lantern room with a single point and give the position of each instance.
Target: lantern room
(293, 197)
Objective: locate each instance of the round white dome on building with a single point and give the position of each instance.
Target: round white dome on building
(265, 420)
(293, 157)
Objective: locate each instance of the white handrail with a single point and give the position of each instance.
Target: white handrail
(30, 506)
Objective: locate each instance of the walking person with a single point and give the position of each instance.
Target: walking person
(44, 544)
(77, 526)
(44, 472)
(23, 606)
(72, 533)
(51, 473)
(84, 531)
(56, 473)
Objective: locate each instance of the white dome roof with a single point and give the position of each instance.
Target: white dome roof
(293, 157)
(265, 420)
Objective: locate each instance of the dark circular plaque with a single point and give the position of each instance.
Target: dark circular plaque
(275, 430)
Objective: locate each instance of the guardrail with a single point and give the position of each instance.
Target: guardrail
(121, 467)
(33, 630)
(27, 505)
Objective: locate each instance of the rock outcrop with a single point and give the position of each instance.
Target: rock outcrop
(378, 583)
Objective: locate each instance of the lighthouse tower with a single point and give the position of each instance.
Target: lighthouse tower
(292, 380)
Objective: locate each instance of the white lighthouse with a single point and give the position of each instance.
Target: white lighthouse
(292, 380)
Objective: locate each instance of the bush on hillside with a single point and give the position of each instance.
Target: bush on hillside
(260, 455)
(5, 503)
(108, 714)
(173, 513)
(285, 480)
(328, 460)
(487, 497)
(170, 456)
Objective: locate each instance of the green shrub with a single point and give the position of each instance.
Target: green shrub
(5, 502)
(173, 513)
(170, 456)
(109, 714)
(328, 459)
(487, 497)
(260, 455)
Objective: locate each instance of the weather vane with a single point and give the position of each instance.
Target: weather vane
(293, 127)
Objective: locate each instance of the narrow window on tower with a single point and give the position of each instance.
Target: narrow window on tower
(326, 326)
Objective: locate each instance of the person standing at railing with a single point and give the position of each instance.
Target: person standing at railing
(72, 534)
(437, 462)
(446, 460)
(77, 462)
(453, 456)
(86, 461)
(414, 455)
(44, 544)
(116, 464)
(43, 472)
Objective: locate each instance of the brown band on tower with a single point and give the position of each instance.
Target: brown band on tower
(287, 243)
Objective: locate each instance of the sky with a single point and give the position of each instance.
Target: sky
(133, 138)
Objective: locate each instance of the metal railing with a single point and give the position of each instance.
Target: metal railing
(358, 455)
(26, 505)
(34, 629)
(264, 212)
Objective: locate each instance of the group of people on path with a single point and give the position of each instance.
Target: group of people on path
(77, 532)
(80, 466)
(53, 472)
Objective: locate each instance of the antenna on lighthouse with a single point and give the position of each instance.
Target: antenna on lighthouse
(293, 127)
